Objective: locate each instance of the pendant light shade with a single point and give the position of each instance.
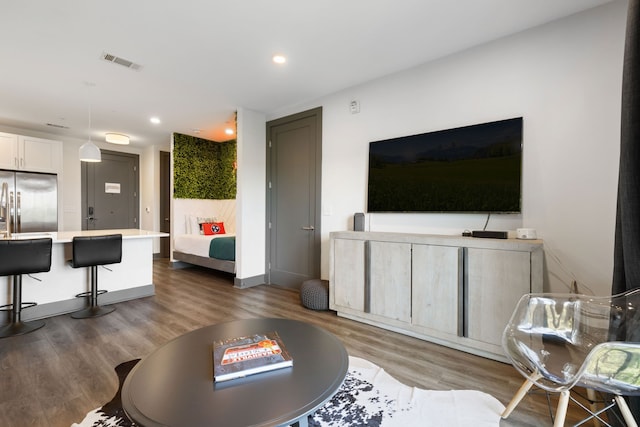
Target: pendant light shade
(89, 152)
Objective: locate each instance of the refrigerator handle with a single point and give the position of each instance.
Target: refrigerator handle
(18, 219)
(11, 212)
(4, 201)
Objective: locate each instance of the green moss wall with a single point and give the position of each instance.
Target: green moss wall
(203, 169)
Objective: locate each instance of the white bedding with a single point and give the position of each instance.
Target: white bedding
(195, 244)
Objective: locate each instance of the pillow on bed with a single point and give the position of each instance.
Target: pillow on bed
(193, 226)
(202, 220)
(211, 228)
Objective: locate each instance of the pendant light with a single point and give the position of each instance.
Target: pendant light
(89, 152)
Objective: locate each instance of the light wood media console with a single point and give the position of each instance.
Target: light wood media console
(451, 290)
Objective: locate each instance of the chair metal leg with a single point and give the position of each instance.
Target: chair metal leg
(561, 412)
(94, 310)
(591, 396)
(20, 328)
(626, 412)
(17, 326)
(594, 414)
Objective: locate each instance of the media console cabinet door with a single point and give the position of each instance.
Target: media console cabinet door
(436, 285)
(389, 266)
(496, 279)
(348, 274)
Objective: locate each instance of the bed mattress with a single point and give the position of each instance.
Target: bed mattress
(196, 244)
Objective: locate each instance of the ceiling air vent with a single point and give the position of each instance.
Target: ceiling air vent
(54, 125)
(120, 61)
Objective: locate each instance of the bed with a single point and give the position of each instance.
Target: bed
(217, 251)
(206, 237)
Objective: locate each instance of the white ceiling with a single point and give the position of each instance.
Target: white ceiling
(202, 59)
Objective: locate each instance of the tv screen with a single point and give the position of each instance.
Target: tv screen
(467, 169)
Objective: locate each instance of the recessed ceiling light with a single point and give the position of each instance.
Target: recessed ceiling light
(279, 59)
(154, 120)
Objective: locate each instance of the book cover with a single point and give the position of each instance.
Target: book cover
(241, 356)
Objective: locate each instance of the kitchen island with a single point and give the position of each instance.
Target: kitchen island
(55, 290)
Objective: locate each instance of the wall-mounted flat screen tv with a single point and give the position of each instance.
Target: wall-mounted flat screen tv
(474, 168)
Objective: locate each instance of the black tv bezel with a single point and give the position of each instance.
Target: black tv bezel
(518, 120)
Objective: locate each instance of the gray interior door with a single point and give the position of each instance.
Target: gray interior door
(110, 192)
(293, 194)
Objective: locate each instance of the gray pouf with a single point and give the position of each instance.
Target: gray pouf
(314, 294)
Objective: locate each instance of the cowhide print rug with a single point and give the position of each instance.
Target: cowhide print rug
(368, 397)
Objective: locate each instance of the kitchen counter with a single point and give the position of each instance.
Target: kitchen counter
(67, 236)
(55, 290)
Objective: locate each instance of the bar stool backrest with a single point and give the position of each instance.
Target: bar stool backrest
(25, 256)
(96, 250)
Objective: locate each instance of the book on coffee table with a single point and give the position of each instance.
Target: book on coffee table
(241, 356)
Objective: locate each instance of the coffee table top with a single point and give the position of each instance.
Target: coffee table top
(174, 386)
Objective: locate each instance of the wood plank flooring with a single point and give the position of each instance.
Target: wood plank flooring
(53, 376)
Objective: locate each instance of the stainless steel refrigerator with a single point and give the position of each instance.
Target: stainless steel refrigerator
(28, 202)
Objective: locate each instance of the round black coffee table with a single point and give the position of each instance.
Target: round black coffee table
(174, 386)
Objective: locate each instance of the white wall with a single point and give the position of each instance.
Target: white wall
(150, 191)
(563, 78)
(251, 198)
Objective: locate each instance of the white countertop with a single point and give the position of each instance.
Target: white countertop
(67, 236)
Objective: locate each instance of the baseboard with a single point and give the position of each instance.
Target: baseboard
(248, 282)
(179, 265)
(43, 311)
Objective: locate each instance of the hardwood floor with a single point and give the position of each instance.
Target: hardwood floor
(53, 376)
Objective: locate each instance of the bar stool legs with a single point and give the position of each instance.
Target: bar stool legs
(17, 326)
(18, 257)
(91, 252)
(93, 310)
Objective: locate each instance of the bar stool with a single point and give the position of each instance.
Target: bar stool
(92, 251)
(18, 257)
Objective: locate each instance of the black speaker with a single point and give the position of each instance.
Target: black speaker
(358, 221)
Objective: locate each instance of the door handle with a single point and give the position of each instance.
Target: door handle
(309, 228)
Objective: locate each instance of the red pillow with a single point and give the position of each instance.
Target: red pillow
(211, 228)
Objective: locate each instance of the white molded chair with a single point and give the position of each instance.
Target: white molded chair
(557, 341)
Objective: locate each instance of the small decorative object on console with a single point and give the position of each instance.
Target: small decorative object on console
(526, 233)
(242, 356)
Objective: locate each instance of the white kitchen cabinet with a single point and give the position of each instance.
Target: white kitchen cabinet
(31, 154)
(8, 151)
(452, 290)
